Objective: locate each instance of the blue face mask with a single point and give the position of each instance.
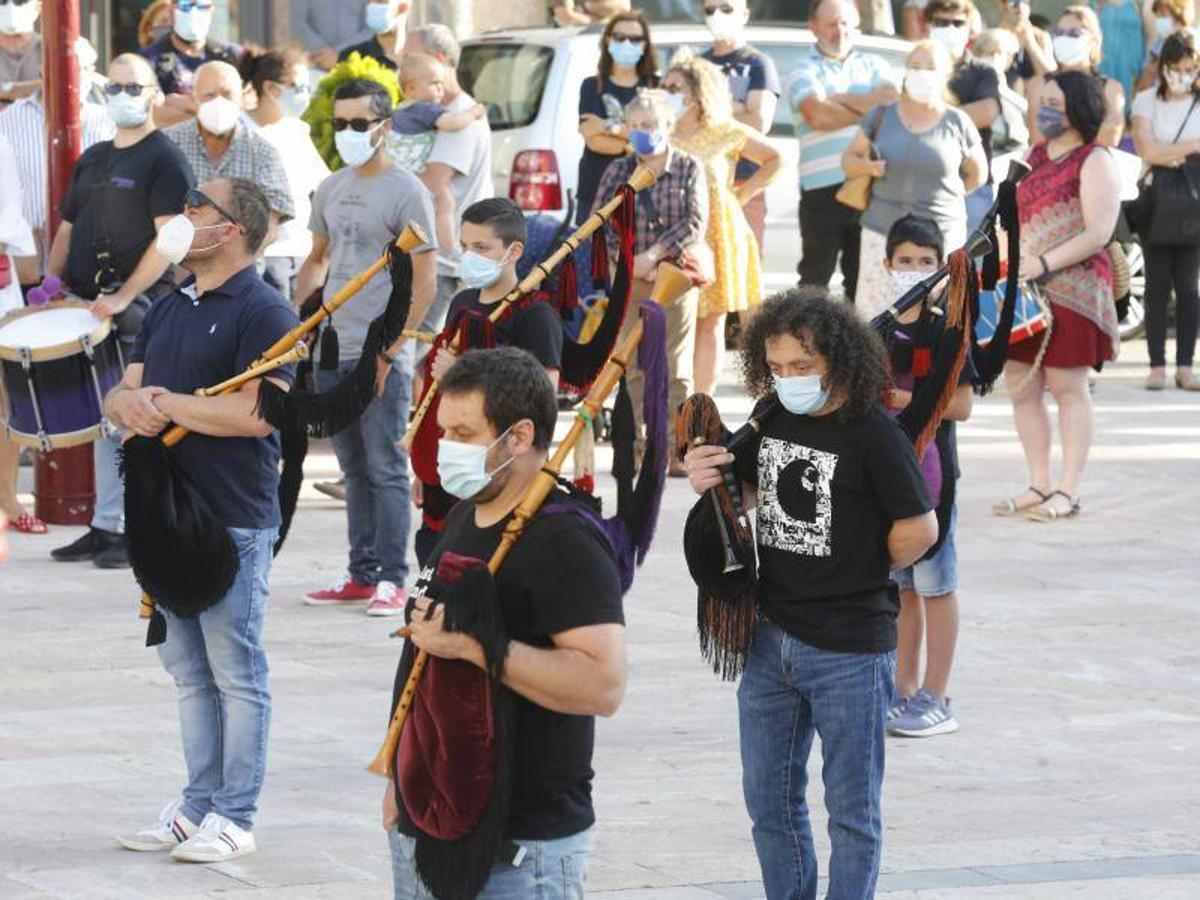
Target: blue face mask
(625, 53)
(1051, 122)
(379, 17)
(801, 394)
(647, 143)
(479, 272)
(462, 468)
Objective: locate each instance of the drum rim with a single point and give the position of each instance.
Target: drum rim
(59, 441)
(54, 351)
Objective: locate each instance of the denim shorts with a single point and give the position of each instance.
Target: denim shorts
(937, 575)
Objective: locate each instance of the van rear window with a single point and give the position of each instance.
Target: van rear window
(509, 79)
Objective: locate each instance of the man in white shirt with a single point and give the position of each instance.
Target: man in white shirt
(459, 170)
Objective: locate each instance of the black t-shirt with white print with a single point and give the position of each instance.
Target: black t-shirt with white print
(828, 493)
(559, 575)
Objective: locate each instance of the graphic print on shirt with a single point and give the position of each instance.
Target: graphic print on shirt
(795, 505)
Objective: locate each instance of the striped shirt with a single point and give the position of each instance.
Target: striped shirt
(821, 77)
(249, 156)
(24, 124)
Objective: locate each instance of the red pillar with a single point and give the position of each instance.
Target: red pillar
(64, 482)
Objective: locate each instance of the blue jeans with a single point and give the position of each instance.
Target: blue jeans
(376, 470)
(979, 201)
(109, 512)
(790, 692)
(550, 870)
(220, 669)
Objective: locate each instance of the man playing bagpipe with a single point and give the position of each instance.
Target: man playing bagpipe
(928, 602)
(840, 503)
(211, 329)
(493, 239)
(492, 788)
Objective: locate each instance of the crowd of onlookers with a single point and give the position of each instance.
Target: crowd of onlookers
(1106, 75)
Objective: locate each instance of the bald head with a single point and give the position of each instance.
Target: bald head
(833, 23)
(129, 68)
(217, 79)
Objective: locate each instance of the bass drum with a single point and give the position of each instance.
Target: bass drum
(58, 362)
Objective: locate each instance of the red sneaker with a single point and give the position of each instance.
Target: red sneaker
(344, 590)
(388, 600)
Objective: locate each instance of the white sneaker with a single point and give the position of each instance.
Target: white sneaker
(388, 600)
(173, 829)
(217, 840)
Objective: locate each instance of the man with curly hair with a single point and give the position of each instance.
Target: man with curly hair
(840, 502)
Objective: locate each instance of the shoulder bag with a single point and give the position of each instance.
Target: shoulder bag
(1167, 210)
(856, 192)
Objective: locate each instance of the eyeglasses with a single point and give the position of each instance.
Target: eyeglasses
(627, 39)
(1069, 32)
(949, 23)
(726, 8)
(197, 199)
(359, 125)
(113, 88)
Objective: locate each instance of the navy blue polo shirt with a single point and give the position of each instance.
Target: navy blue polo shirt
(186, 344)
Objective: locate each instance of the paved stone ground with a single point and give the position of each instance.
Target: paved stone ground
(1074, 774)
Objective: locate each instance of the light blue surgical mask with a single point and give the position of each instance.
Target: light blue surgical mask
(626, 53)
(479, 272)
(379, 17)
(677, 103)
(462, 468)
(356, 148)
(128, 112)
(294, 101)
(801, 394)
(192, 25)
(1163, 26)
(647, 143)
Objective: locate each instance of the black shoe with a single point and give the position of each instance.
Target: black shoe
(114, 556)
(86, 547)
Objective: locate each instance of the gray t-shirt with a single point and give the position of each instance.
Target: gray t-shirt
(469, 153)
(923, 171)
(361, 216)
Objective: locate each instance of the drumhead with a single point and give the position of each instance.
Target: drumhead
(50, 331)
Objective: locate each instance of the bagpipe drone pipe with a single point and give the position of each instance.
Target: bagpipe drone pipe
(181, 555)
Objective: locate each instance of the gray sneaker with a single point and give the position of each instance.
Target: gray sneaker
(898, 708)
(924, 717)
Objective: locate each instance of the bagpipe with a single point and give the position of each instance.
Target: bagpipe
(456, 789)
(181, 555)
(719, 542)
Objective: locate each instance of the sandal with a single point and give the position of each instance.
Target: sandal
(26, 523)
(1011, 507)
(1045, 513)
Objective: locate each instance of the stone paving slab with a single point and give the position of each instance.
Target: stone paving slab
(1077, 683)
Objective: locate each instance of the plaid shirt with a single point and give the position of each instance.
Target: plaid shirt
(672, 213)
(249, 156)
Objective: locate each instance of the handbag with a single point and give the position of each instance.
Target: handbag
(856, 192)
(1167, 210)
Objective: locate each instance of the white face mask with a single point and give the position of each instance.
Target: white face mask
(192, 26)
(903, 282)
(1179, 82)
(725, 26)
(18, 19)
(219, 115)
(954, 39)
(128, 112)
(174, 241)
(293, 101)
(355, 147)
(1072, 51)
(924, 85)
(1164, 25)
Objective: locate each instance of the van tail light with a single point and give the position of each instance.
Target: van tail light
(535, 184)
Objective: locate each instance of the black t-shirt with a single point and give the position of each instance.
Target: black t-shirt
(606, 101)
(144, 181)
(533, 327)
(828, 493)
(974, 80)
(372, 48)
(176, 71)
(748, 70)
(560, 575)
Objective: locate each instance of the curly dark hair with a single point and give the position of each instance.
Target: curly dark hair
(858, 366)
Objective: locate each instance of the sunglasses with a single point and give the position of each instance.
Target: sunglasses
(197, 199)
(189, 5)
(133, 89)
(949, 23)
(359, 125)
(1069, 32)
(627, 39)
(726, 8)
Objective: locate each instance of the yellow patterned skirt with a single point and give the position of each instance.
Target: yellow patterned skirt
(738, 283)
